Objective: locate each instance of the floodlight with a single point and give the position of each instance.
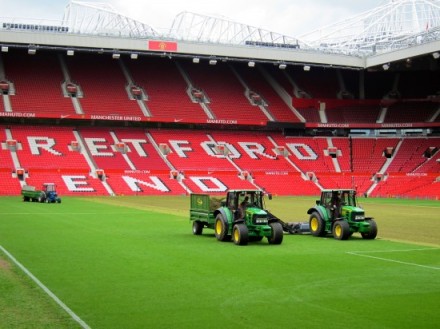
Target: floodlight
(436, 55)
(5, 49)
(212, 62)
(70, 52)
(306, 68)
(32, 51)
(251, 64)
(196, 60)
(134, 56)
(386, 67)
(116, 56)
(282, 66)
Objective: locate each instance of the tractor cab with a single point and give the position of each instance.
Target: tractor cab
(245, 203)
(340, 203)
(51, 194)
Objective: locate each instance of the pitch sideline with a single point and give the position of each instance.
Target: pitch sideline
(46, 290)
(363, 254)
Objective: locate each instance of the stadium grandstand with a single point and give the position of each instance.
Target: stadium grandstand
(102, 104)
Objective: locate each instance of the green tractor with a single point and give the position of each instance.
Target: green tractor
(338, 213)
(241, 217)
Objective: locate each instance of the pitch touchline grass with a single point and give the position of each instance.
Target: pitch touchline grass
(45, 289)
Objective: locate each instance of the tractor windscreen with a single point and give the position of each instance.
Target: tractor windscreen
(348, 198)
(252, 199)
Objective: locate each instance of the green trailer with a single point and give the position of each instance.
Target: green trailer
(241, 217)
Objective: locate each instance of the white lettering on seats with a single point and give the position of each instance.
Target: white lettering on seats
(252, 149)
(77, 183)
(137, 144)
(134, 183)
(45, 143)
(209, 148)
(95, 149)
(302, 151)
(209, 184)
(180, 150)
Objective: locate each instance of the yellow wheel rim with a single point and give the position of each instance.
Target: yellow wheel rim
(314, 224)
(218, 227)
(236, 235)
(338, 230)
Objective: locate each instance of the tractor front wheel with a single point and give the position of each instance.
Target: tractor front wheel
(276, 236)
(240, 234)
(373, 230)
(317, 225)
(341, 230)
(221, 229)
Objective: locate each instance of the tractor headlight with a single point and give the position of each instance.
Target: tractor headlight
(359, 217)
(260, 220)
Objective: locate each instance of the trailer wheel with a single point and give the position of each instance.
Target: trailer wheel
(373, 230)
(197, 227)
(221, 229)
(341, 230)
(276, 236)
(240, 234)
(317, 225)
(41, 197)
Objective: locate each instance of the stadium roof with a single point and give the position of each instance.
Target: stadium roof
(394, 25)
(102, 19)
(369, 39)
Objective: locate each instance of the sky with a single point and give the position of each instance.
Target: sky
(288, 17)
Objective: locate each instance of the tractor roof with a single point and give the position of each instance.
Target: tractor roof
(338, 190)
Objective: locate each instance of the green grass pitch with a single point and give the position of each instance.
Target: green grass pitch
(132, 262)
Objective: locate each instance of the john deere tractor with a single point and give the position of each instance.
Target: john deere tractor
(241, 217)
(338, 213)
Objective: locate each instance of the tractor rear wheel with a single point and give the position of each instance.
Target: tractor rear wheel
(221, 229)
(373, 230)
(317, 224)
(197, 227)
(240, 234)
(341, 230)
(276, 236)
